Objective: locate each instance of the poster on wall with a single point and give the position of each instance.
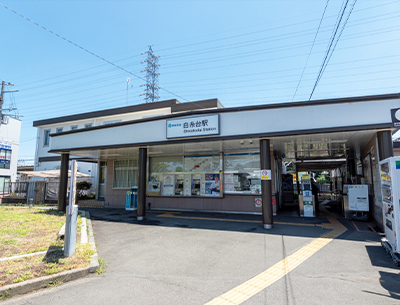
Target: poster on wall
(212, 184)
(203, 188)
(169, 185)
(154, 186)
(229, 183)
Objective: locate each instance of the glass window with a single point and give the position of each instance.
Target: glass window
(4, 184)
(7, 165)
(162, 175)
(166, 165)
(185, 176)
(242, 173)
(59, 129)
(8, 155)
(205, 163)
(2, 154)
(74, 127)
(125, 173)
(46, 137)
(87, 125)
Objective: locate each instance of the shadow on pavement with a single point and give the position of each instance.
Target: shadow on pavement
(379, 258)
(286, 223)
(388, 281)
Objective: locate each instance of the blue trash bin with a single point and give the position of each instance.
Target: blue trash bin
(134, 197)
(131, 198)
(128, 200)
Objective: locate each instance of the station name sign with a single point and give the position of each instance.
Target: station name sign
(395, 117)
(193, 126)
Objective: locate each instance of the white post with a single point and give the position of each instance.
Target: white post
(72, 215)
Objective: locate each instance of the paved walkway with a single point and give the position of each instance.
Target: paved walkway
(199, 258)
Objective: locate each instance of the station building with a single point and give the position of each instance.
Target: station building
(205, 157)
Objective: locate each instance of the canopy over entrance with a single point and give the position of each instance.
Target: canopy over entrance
(51, 174)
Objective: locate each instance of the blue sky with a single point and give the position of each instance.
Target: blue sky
(241, 52)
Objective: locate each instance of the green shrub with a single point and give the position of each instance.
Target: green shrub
(81, 188)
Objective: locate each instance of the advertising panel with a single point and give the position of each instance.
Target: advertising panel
(212, 185)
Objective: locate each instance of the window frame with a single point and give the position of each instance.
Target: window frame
(46, 137)
(134, 175)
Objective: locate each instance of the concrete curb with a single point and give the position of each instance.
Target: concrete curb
(54, 279)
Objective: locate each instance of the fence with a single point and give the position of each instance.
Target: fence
(37, 191)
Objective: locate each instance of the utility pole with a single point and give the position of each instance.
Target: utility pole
(151, 91)
(3, 84)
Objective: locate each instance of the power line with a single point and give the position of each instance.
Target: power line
(84, 49)
(309, 54)
(259, 40)
(97, 81)
(197, 62)
(329, 52)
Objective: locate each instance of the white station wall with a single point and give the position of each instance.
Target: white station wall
(269, 121)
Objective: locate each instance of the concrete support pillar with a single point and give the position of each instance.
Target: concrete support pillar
(141, 197)
(62, 189)
(385, 144)
(266, 185)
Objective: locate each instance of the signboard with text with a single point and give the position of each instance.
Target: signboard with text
(4, 145)
(395, 113)
(193, 126)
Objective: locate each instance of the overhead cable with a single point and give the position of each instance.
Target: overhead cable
(86, 50)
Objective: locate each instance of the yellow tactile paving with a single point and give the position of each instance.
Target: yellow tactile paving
(253, 286)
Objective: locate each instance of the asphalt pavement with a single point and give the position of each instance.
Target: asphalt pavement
(196, 258)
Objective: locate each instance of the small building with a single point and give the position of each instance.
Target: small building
(10, 130)
(202, 156)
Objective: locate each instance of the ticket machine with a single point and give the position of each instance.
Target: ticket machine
(306, 199)
(196, 186)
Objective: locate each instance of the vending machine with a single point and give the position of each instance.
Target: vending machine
(390, 186)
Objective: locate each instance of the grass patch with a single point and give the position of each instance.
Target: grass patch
(24, 231)
(22, 269)
(102, 266)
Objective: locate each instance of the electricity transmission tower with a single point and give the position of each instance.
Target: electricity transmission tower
(151, 91)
